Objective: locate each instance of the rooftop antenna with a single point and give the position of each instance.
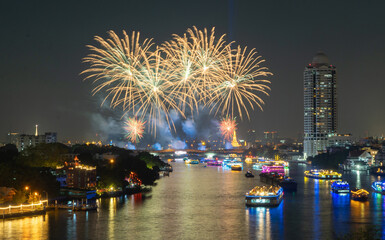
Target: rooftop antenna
(36, 132)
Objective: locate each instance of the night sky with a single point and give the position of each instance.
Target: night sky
(42, 44)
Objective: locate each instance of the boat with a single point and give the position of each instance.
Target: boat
(340, 187)
(194, 161)
(86, 208)
(359, 194)
(227, 163)
(249, 174)
(323, 174)
(214, 163)
(262, 196)
(236, 167)
(248, 160)
(166, 168)
(257, 166)
(288, 184)
(379, 187)
(273, 168)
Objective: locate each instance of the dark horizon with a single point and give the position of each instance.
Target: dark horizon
(43, 45)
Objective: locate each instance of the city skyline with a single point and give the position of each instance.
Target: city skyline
(175, 119)
(47, 55)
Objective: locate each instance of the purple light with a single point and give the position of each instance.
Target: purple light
(269, 169)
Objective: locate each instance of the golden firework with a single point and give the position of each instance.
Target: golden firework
(190, 70)
(235, 91)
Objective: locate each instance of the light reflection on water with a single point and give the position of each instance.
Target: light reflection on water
(25, 228)
(208, 203)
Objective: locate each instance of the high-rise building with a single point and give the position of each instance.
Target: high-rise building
(320, 104)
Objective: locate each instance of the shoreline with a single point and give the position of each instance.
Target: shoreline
(53, 207)
(23, 214)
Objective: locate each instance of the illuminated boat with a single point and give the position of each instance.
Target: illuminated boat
(273, 168)
(248, 160)
(340, 187)
(214, 163)
(249, 174)
(379, 187)
(280, 163)
(226, 163)
(188, 161)
(257, 166)
(264, 196)
(359, 194)
(236, 167)
(323, 174)
(194, 161)
(229, 163)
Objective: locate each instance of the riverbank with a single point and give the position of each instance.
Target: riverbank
(35, 209)
(23, 210)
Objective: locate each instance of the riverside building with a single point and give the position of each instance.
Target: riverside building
(320, 105)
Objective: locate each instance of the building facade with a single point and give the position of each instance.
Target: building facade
(320, 105)
(76, 175)
(23, 141)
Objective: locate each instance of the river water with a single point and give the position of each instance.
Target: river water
(198, 202)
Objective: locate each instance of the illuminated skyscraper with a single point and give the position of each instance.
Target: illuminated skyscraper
(320, 104)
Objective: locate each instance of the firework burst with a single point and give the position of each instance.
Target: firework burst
(116, 66)
(227, 127)
(191, 70)
(236, 90)
(134, 129)
(194, 60)
(154, 93)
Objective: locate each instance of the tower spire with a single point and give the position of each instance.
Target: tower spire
(36, 132)
(234, 142)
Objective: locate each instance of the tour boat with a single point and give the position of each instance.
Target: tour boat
(226, 163)
(229, 163)
(340, 187)
(248, 160)
(236, 167)
(214, 163)
(359, 194)
(262, 196)
(194, 161)
(323, 174)
(249, 174)
(379, 187)
(188, 161)
(273, 168)
(257, 166)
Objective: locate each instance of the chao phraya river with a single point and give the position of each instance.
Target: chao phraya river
(198, 202)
